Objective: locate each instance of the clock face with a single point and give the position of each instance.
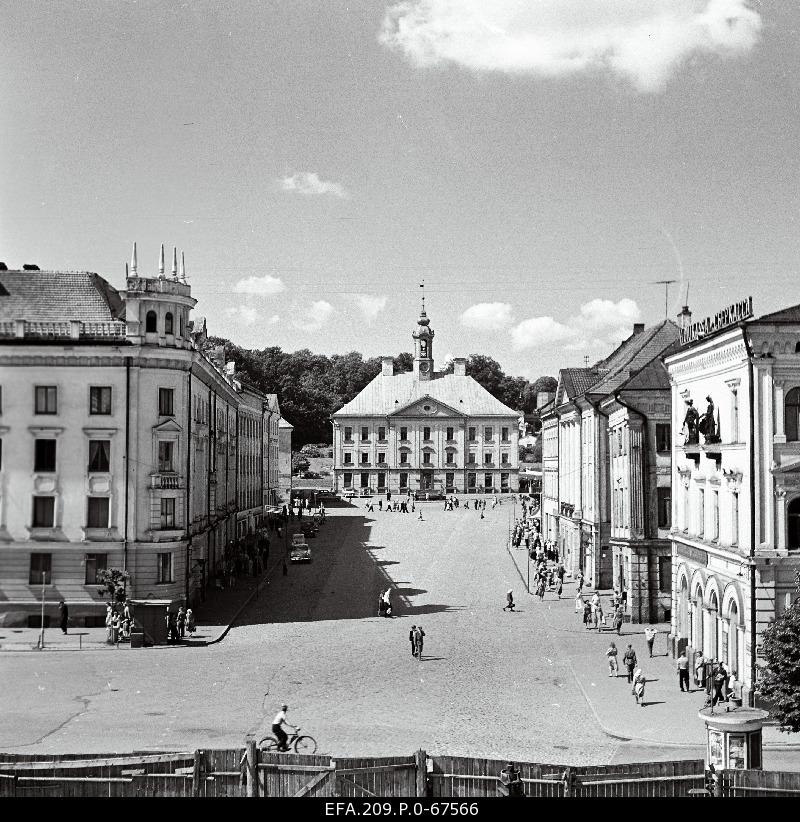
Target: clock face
(423, 367)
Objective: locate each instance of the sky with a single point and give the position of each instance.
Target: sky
(540, 164)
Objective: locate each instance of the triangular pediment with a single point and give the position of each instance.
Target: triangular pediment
(426, 406)
(167, 427)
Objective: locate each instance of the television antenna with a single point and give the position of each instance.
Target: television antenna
(666, 284)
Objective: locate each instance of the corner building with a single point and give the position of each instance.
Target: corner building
(425, 431)
(736, 494)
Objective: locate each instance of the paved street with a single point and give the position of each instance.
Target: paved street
(529, 685)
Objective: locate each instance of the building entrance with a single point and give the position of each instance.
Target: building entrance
(426, 480)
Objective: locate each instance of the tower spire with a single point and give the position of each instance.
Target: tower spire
(183, 269)
(161, 263)
(174, 262)
(133, 260)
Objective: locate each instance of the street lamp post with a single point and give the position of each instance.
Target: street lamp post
(41, 624)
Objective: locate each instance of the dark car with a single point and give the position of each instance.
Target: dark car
(428, 495)
(308, 528)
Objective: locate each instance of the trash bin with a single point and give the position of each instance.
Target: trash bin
(137, 639)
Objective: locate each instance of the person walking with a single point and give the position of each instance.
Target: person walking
(509, 606)
(650, 635)
(411, 640)
(587, 614)
(419, 641)
(683, 671)
(181, 619)
(63, 614)
(618, 620)
(559, 587)
(699, 670)
(190, 625)
(109, 621)
(578, 603)
(639, 681)
(387, 602)
(611, 655)
(629, 659)
(580, 581)
(719, 681)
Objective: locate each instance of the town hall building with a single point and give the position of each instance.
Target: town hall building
(425, 431)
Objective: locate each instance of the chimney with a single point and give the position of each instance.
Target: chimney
(387, 366)
(685, 317)
(638, 328)
(460, 366)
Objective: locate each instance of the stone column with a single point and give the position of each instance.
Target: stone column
(780, 517)
(780, 432)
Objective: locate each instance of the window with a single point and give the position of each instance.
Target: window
(165, 455)
(94, 563)
(40, 573)
(715, 515)
(793, 520)
(791, 415)
(426, 432)
(664, 574)
(449, 481)
(99, 400)
(663, 437)
(165, 404)
(734, 415)
(167, 513)
(180, 317)
(426, 458)
(46, 399)
(404, 458)
(449, 458)
(348, 434)
(504, 434)
(381, 457)
(164, 568)
(382, 479)
(381, 433)
(99, 455)
(471, 458)
(471, 481)
(403, 479)
(169, 327)
(44, 455)
(504, 458)
(44, 509)
(348, 458)
(364, 458)
(488, 432)
(151, 322)
(701, 512)
(664, 503)
(364, 433)
(487, 481)
(97, 516)
(450, 434)
(471, 434)
(487, 458)
(403, 434)
(504, 482)
(347, 479)
(735, 518)
(365, 480)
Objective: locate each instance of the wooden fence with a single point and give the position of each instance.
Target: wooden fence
(250, 772)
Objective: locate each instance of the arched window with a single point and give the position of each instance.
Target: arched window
(151, 322)
(714, 644)
(733, 638)
(168, 324)
(793, 519)
(180, 317)
(792, 415)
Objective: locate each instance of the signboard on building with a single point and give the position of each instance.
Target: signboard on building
(730, 315)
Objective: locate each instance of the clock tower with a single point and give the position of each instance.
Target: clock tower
(423, 347)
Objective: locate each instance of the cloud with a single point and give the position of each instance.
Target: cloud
(265, 285)
(641, 41)
(487, 316)
(371, 305)
(243, 313)
(313, 317)
(599, 323)
(309, 182)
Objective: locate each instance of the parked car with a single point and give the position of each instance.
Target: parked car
(298, 539)
(350, 493)
(309, 528)
(428, 495)
(300, 552)
(365, 492)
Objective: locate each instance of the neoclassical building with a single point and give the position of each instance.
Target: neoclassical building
(736, 482)
(425, 430)
(122, 444)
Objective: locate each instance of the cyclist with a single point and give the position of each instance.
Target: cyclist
(280, 734)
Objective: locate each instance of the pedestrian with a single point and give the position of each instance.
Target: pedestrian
(618, 620)
(109, 621)
(387, 602)
(541, 589)
(481, 514)
(683, 671)
(509, 601)
(719, 681)
(699, 670)
(420, 514)
(600, 617)
(411, 640)
(611, 655)
(587, 614)
(181, 620)
(419, 640)
(63, 613)
(650, 636)
(381, 606)
(578, 603)
(115, 628)
(580, 580)
(412, 506)
(639, 682)
(630, 661)
(559, 587)
(380, 505)
(190, 626)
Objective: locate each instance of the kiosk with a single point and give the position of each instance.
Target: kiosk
(733, 737)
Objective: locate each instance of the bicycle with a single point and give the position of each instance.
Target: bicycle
(300, 744)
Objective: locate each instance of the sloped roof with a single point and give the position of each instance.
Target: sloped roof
(58, 296)
(284, 423)
(785, 315)
(654, 375)
(577, 381)
(387, 394)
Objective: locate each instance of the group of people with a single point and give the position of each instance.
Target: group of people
(416, 636)
(385, 603)
(592, 611)
(636, 678)
(398, 505)
(179, 623)
(246, 556)
(720, 683)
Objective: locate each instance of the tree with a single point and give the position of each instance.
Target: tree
(113, 583)
(780, 683)
(299, 463)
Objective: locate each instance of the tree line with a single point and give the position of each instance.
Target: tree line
(310, 387)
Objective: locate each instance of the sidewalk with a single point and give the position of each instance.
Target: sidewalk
(213, 618)
(669, 717)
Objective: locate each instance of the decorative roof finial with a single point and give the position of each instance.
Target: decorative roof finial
(174, 262)
(422, 286)
(161, 263)
(183, 269)
(133, 261)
